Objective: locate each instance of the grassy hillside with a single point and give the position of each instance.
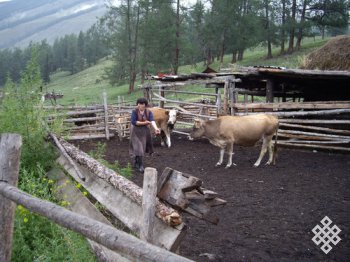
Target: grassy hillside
(87, 86)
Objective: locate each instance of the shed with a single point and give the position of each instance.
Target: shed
(311, 85)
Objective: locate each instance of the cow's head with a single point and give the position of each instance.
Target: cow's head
(198, 129)
(172, 118)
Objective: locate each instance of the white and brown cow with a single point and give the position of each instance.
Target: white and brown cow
(226, 131)
(165, 121)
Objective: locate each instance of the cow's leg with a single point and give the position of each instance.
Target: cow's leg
(221, 159)
(270, 148)
(230, 154)
(167, 134)
(262, 152)
(162, 138)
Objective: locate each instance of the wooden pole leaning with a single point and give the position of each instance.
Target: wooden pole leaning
(10, 151)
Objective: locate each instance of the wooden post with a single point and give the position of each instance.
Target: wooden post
(161, 94)
(148, 204)
(269, 90)
(10, 150)
(284, 97)
(106, 114)
(146, 93)
(218, 103)
(245, 103)
(225, 96)
(233, 96)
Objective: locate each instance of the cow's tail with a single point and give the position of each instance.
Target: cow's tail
(275, 147)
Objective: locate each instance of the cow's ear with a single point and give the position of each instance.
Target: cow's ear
(167, 112)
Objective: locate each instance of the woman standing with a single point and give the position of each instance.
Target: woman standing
(140, 137)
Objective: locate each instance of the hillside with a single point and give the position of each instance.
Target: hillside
(34, 20)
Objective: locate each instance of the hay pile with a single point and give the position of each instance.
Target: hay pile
(335, 55)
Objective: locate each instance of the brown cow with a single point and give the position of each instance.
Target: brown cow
(165, 121)
(226, 131)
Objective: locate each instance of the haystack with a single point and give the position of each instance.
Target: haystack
(334, 55)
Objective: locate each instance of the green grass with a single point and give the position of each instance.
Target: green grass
(86, 87)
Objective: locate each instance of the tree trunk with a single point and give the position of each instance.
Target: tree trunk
(177, 48)
(234, 56)
(292, 28)
(300, 31)
(283, 36)
(267, 28)
(143, 75)
(322, 32)
(240, 55)
(128, 28)
(133, 45)
(209, 58)
(222, 53)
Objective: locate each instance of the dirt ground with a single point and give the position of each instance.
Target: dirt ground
(270, 210)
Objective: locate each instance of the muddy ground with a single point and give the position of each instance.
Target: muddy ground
(270, 210)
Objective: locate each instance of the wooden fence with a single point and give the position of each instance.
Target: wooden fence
(128, 246)
(310, 125)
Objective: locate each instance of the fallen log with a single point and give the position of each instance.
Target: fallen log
(166, 214)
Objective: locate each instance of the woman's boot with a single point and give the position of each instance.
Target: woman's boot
(141, 167)
(136, 163)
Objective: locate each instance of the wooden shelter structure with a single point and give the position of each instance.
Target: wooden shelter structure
(309, 85)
